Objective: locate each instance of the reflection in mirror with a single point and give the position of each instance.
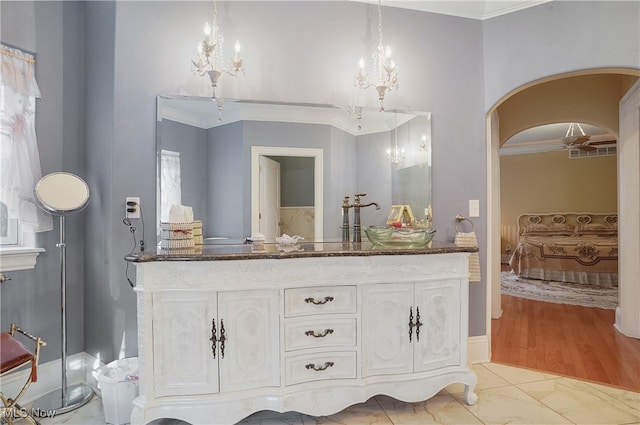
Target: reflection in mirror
(315, 155)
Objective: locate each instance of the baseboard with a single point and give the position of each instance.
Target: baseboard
(81, 368)
(478, 350)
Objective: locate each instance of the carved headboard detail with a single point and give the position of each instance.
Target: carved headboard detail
(569, 218)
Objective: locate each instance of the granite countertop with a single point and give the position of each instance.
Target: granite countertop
(222, 251)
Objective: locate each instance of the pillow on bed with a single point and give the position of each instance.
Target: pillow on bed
(596, 229)
(537, 229)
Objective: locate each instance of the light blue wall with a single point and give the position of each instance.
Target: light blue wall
(556, 38)
(32, 298)
(226, 181)
(453, 67)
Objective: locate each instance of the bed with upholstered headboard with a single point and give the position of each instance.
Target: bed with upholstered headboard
(568, 247)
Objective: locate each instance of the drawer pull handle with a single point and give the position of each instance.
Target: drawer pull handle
(411, 324)
(418, 324)
(319, 368)
(223, 338)
(313, 300)
(214, 338)
(318, 335)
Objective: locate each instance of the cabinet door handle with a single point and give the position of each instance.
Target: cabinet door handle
(313, 300)
(318, 335)
(214, 338)
(319, 368)
(411, 324)
(223, 338)
(418, 324)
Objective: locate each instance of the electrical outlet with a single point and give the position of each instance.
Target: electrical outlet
(132, 207)
(507, 247)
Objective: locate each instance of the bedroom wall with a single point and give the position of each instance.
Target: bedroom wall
(551, 182)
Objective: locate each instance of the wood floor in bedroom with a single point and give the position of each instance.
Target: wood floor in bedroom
(567, 340)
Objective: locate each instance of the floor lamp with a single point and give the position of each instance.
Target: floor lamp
(63, 194)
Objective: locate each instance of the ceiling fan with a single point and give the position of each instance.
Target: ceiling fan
(581, 141)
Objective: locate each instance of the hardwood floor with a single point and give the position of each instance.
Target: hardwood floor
(567, 340)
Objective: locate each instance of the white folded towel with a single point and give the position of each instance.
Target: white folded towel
(176, 226)
(180, 214)
(177, 243)
(175, 231)
(470, 240)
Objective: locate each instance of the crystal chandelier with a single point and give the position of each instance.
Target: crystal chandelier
(395, 154)
(209, 58)
(386, 77)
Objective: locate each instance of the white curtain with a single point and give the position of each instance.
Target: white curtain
(170, 192)
(19, 158)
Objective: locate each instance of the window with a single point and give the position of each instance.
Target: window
(8, 227)
(19, 160)
(170, 184)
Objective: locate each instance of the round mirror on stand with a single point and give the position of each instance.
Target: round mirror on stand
(62, 194)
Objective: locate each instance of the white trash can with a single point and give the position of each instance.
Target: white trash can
(118, 383)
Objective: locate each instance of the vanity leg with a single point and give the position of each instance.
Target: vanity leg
(470, 397)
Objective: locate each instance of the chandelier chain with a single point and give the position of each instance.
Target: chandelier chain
(379, 25)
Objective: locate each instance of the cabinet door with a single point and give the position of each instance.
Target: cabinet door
(439, 343)
(183, 358)
(385, 329)
(251, 354)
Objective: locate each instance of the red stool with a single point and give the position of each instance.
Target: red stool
(14, 355)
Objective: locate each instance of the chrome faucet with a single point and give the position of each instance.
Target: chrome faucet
(357, 234)
(345, 219)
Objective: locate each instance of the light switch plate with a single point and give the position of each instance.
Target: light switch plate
(474, 208)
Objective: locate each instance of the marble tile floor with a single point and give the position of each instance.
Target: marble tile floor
(506, 395)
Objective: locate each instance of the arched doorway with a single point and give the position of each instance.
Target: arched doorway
(589, 96)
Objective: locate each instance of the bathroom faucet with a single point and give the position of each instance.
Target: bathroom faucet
(345, 219)
(357, 235)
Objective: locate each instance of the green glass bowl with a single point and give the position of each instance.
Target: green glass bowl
(389, 237)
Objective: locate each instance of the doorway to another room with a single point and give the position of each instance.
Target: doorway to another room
(287, 192)
(587, 343)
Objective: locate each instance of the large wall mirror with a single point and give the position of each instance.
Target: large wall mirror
(247, 166)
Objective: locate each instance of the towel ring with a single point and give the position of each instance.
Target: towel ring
(460, 218)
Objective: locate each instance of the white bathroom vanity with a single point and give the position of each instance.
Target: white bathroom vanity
(230, 332)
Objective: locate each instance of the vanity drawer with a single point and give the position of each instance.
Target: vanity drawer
(319, 300)
(319, 332)
(320, 366)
